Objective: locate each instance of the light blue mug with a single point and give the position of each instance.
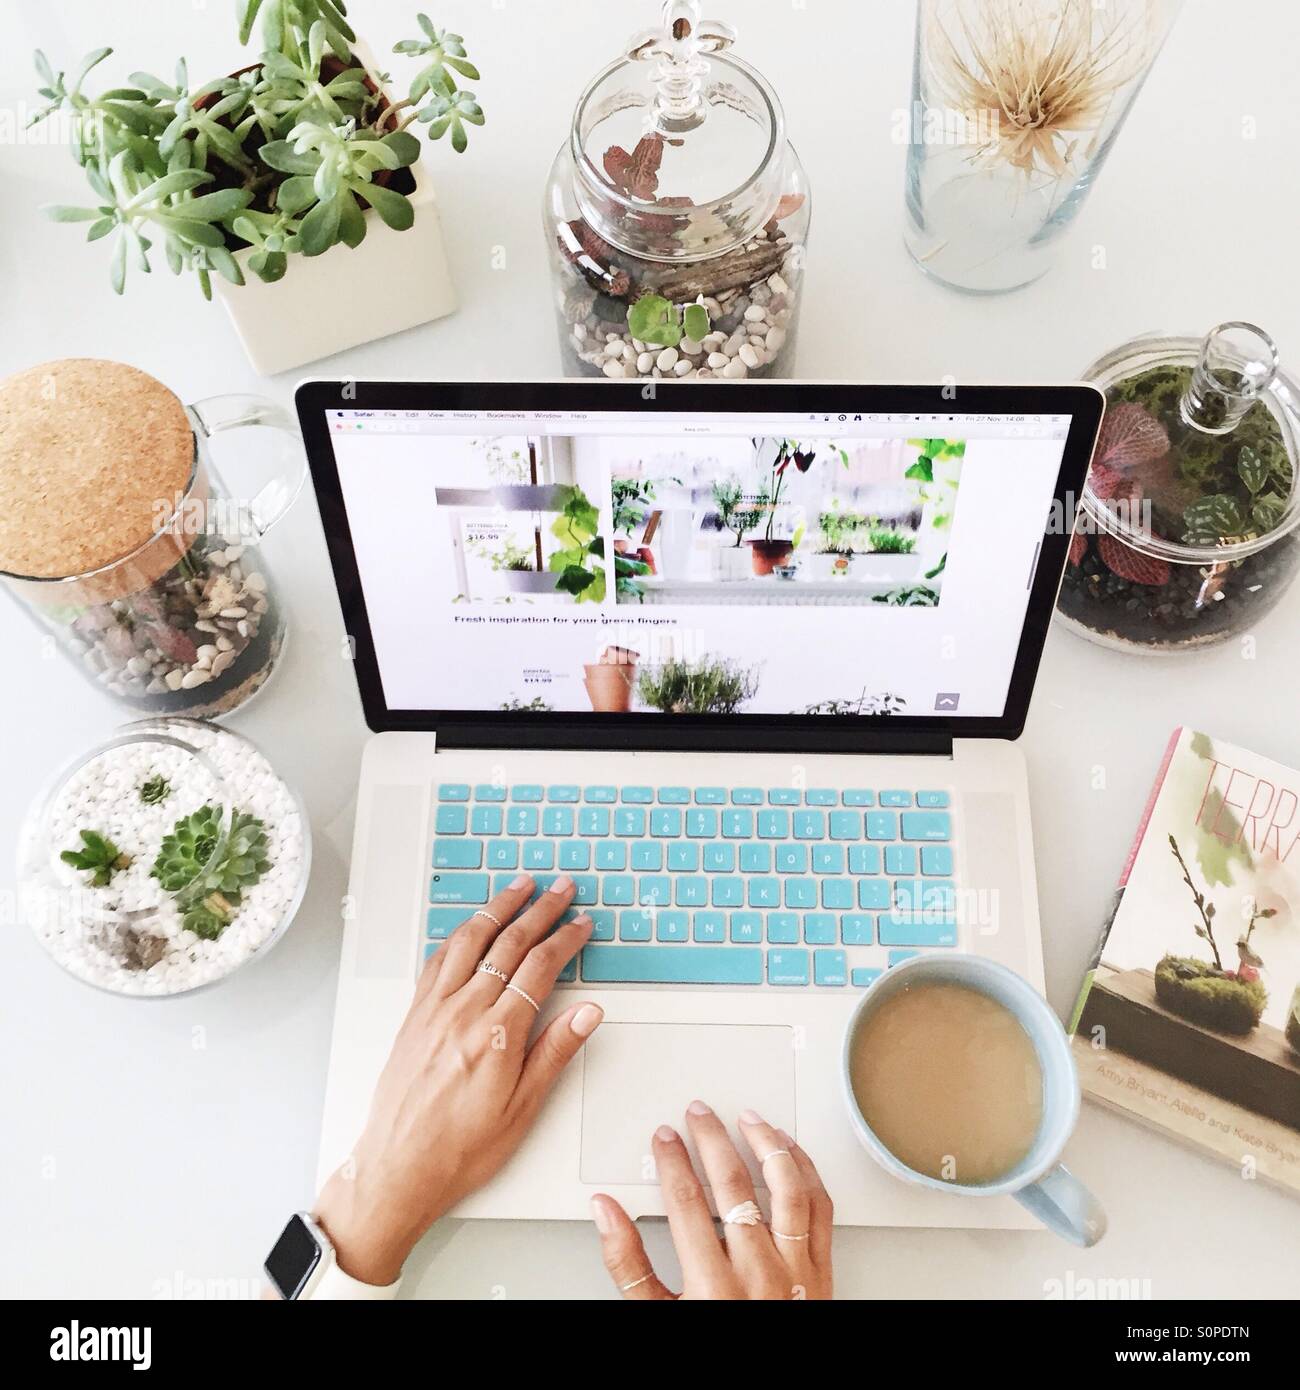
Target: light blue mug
(1038, 1182)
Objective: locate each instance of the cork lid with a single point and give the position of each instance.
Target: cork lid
(89, 451)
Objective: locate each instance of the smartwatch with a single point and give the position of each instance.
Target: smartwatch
(302, 1265)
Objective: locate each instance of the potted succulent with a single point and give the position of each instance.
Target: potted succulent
(838, 528)
(736, 516)
(274, 182)
(611, 680)
(705, 687)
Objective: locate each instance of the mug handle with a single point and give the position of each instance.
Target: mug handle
(271, 497)
(1062, 1203)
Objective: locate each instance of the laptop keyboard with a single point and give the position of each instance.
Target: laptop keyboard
(710, 885)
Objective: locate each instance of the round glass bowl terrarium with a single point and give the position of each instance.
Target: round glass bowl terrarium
(1187, 527)
(164, 859)
(120, 538)
(677, 214)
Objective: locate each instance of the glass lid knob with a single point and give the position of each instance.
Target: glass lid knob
(678, 50)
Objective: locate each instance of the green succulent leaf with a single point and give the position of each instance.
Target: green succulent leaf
(352, 221)
(394, 208)
(1252, 470)
(1216, 516)
(695, 322)
(98, 856)
(1266, 512)
(653, 319)
(320, 228)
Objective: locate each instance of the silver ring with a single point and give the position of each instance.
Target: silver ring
(744, 1214)
(523, 994)
(781, 1235)
(636, 1283)
(485, 967)
(483, 912)
(776, 1153)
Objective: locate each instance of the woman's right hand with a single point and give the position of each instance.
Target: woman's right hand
(790, 1259)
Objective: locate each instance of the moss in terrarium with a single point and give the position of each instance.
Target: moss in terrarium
(1198, 991)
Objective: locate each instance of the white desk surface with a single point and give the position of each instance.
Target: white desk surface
(150, 1142)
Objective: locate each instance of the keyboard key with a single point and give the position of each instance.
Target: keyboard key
(809, 825)
(882, 825)
(442, 921)
(486, 791)
(857, 929)
(451, 820)
(864, 859)
(936, 859)
(774, 825)
(764, 892)
(801, 892)
(629, 822)
(636, 924)
(728, 892)
(932, 800)
(828, 859)
(755, 859)
(431, 949)
(486, 820)
(593, 820)
(674, 796)
(927, 825)
(557, 820)
(584, 887)
(920, 929)
(819, 929)
(892, 798)
(672, 965)
(602, 920)
(719, 858)
(846, 825)
(617, 890)
(647, 857)
(611, 854)
(900, 859)
(830, 968)
(575, 854)
(526, 793)
(655, 890)
(738, 825)
(787, 967)
(783, 928)
(710, 796)
(837, 894)
(821, 796)
(562, 793)
(521, 820)
(857, 796)
(672, 926)
(600, 794)
(746, 796)
(665, 822)
(568, 972)
(457, 854)
(783, 796)
(898, 957)
(746, 926)
(641, 796)
(701, 825)
(931, 895)
(865, 975)
(874, 894)
(792, 859)
(459, 888)
(453, 791)
(502, 854)
(692, 891)
(710, 926)
(683, 858)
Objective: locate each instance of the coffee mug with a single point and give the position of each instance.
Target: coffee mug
(1038, 1182)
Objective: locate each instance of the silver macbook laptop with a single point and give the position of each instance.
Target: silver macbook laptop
(746, 660)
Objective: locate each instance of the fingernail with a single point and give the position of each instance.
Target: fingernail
(562, 884)
(585, 1022)
(698, 1107)
(665, 1134)
(750, 1117)
(581, 920)
(522, 881)
(600, 1216)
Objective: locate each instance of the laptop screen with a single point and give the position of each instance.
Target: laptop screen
(633, 561)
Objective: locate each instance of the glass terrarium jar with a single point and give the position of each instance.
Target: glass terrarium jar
(677, 214)
(1187, 528)
(118, 536)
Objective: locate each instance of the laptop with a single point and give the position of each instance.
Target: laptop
(748, 661)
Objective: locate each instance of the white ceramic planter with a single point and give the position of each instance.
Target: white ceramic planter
(730, 562)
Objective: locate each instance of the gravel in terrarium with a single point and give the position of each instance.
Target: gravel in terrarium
(130, 798)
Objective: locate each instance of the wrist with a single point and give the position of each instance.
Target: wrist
(368, 1245)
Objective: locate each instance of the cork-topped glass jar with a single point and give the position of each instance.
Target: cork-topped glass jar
(677, 214)
(118, 536)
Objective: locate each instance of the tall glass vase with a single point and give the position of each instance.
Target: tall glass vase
(1016, 105)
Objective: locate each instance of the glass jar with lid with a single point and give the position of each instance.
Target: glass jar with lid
(1187, 527)
(677, 214)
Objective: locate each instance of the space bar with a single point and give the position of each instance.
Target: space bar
(673, 965)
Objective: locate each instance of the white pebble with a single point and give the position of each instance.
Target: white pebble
(667, 359)
(777, 285)
(718, 360)
(645, 362)
(683, 367)
(749, 356)
(756, 313)
(690, 347)
(195, 678)
(736, 369)
(613, 368)
(776, 336)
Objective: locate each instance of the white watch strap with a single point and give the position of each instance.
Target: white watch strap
(336, 1286)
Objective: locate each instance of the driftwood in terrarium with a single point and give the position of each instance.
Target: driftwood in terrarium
(735, 270)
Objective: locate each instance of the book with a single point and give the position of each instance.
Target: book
(1189, 1017)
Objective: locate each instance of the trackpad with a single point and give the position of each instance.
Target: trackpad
(638, 1076)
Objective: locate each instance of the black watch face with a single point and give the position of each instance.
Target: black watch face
(295, 1256)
